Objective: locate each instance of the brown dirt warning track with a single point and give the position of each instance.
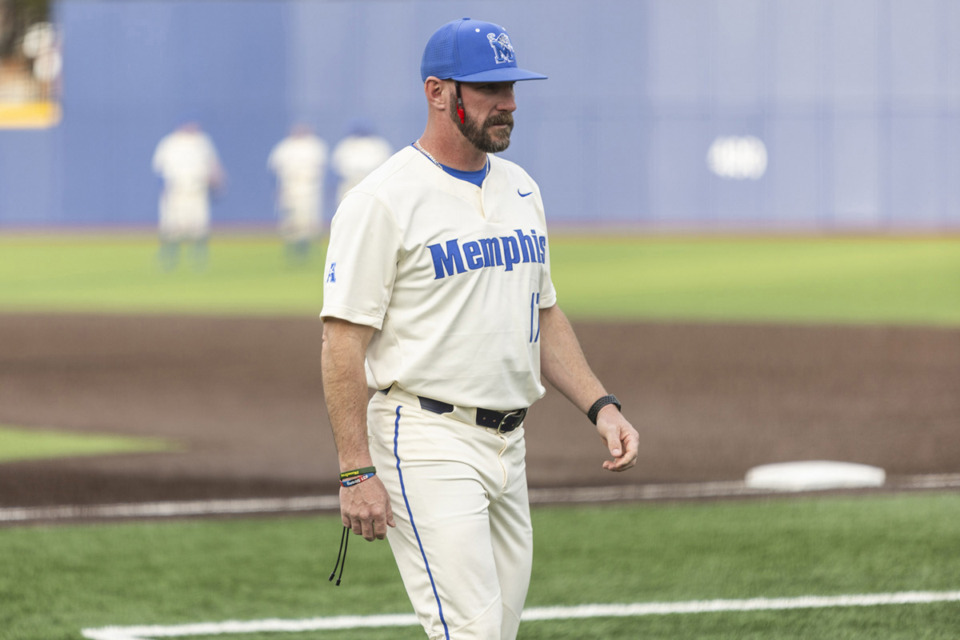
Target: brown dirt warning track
(243, 399)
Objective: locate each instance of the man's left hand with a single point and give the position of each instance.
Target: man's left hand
(620, 437)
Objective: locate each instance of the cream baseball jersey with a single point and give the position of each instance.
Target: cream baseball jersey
(452, 275)
(187, 160)
(299, 163)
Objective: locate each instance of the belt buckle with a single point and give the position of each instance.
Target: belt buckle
(517, 413)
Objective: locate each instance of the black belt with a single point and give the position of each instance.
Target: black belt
(502, 421)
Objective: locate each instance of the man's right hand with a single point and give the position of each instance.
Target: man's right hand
(365, 508)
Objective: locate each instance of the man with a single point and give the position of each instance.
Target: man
(357, 155)
(299, 162)
(187, 162)
(438, 294)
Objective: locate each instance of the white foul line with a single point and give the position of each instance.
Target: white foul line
(562, 495)
(540, 613)
(247, 506)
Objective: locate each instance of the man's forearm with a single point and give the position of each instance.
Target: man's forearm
(345, 389)
(562, 361)
(365, 507)
(563, 364)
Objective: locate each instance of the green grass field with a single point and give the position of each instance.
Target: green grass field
(831, 279)
(33, 444)
(58, 580)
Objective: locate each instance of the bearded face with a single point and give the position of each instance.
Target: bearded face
(488, 136)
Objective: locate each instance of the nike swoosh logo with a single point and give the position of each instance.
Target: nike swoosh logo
(523, 195)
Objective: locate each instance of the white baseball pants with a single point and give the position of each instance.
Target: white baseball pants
(463, 541)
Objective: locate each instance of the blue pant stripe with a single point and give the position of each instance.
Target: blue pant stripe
(403, 490)
(537, 338)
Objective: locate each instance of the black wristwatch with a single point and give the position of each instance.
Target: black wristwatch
(600, 404)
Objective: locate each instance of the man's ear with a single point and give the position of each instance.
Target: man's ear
(433, 88)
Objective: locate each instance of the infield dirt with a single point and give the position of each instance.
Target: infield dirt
(243, 398)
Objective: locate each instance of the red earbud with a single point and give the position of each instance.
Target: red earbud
(460, 111)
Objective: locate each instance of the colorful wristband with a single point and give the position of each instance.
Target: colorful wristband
(356, 480)
(357, 472)
(355, 477)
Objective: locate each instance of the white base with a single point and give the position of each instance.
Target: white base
(814, 475)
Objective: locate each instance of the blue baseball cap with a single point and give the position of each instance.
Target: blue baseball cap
(472, 51)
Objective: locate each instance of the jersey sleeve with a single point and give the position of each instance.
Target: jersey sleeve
(548, 293)
(362, 261)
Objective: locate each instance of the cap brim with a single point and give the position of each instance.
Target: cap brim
(509, 74)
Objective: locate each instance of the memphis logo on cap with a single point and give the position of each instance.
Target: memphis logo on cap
(473, 51)
(502, 49)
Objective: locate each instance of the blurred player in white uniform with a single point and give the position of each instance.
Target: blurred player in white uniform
(438, 294)
(299, 162)
(357, 155)
(187, 162)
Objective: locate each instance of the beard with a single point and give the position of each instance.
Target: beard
(481, 136)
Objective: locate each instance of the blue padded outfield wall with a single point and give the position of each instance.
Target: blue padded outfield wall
(660, 114)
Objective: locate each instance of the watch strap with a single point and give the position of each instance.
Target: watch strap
(600, 404)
